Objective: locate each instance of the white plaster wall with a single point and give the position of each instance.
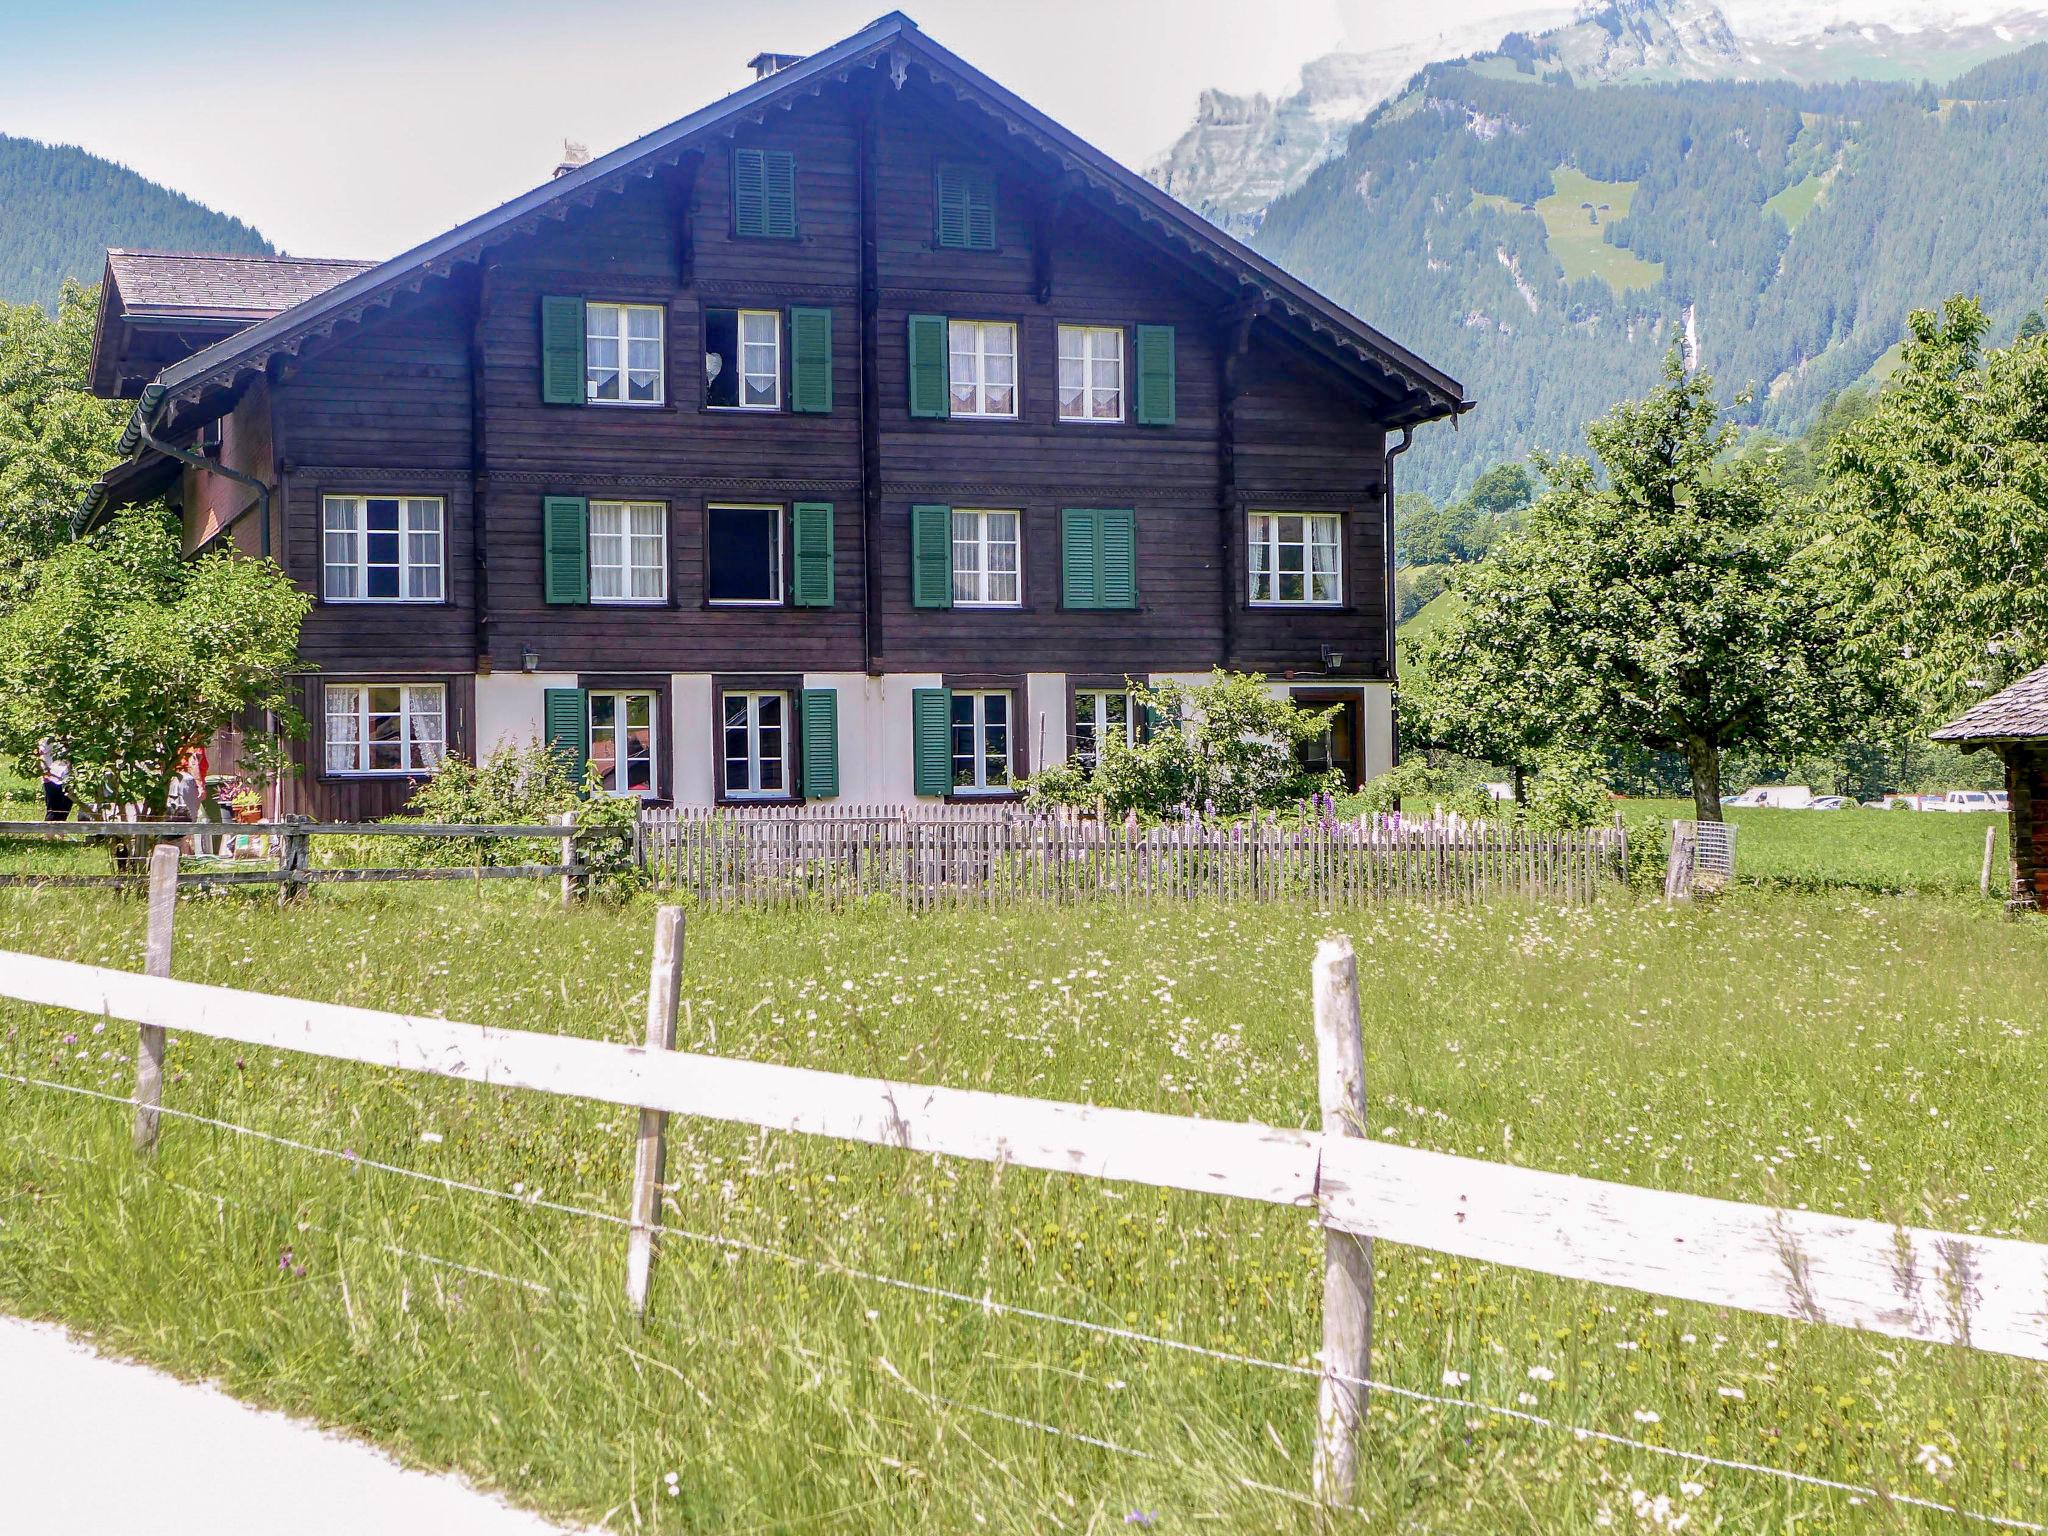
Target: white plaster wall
(1379, 729)
(508, 707)
(692, 732)
(1045, 716)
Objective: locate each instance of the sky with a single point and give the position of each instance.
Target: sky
(362, 128)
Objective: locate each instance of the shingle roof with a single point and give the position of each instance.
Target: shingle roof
(230, 287)
(2016, 714)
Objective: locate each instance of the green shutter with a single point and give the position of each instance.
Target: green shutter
(931, 722)
(810, 360)
(931, 557)
(565, 543)
(764, 194)
(964, 208)
(1079, 586)
(561, 351)
(811, 584)
(930, 376)
(1155, 376)
(1116, 558)
(565, 715)
(1098, 557)
(820, 723)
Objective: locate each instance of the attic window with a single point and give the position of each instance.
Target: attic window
(964, 207)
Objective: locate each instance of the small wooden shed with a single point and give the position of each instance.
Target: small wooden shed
(2014, 724)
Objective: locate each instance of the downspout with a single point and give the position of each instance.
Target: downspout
(1393, 602)
(213, 467)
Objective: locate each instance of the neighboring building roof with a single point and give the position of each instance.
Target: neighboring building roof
(2019, 713)
(172, 284)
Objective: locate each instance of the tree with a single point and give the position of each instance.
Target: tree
(55, 439)
(1227, 746)
(124, 653)
(1937, 514)
(1663, 600)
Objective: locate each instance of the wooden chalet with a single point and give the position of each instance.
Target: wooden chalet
(857, 436)
(2014, 724)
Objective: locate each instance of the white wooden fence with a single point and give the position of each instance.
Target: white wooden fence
(1981, 1293)
(754, 858)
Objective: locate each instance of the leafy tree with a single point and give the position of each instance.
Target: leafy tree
(2031, 324)
(1659, 601)
(1227, 747)
(1938, 514)
(55, 439)
(1502, 490)
(123, 654)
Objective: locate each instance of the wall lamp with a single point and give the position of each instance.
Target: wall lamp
(529, 660)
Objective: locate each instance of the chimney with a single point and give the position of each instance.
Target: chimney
(765, 64)
(574, 157)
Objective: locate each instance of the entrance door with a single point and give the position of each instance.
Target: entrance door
(1342, 747)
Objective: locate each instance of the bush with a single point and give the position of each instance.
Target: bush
(1567, 793)
(1419, 788)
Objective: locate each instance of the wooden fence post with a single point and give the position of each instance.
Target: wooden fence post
(1678, 868)
(664, 997)
(294, 862)
(1347, 1259)
(1990, 842)
(567, 819)
(149, 1049)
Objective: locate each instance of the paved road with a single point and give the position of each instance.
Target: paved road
(91, 1445)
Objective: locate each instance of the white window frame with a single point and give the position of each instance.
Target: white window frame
(754, 758)
(739, 346)
(980, 577)
(1263, 530)
(1099, 723)
(976, 355)
(619, 551)
(428, 747)
(355, 510)
(780, 599)
(1090, 339)
(979, 728)
(620, 335)
(618, 729)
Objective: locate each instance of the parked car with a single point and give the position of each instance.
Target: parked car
(1909, 803)
(1783, 797)
(1831, 803)
(1965, 801)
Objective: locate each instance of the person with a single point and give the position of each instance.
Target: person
(56, 780)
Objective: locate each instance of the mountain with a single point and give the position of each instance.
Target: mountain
(1546, 242)
(64, 207)
(1243, 152)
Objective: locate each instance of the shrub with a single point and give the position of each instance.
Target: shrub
(1567, 793)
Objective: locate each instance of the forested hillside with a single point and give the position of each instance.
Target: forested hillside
(1546, 244)
(64, 207)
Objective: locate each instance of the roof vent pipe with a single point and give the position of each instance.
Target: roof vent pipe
(765, 64)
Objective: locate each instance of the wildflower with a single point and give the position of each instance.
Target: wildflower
(1542, 1373)
(674, 1485)
(1692, 1490)
(1935, 1462)
(1456, 1378)
(1734, 1392)
(1645, 1416)
(431, 1138)
(1143, 1517)
(1526, 1399)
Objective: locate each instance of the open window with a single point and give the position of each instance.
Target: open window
(743, 359)
(743, 555)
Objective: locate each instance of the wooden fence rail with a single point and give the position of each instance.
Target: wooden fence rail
(1988, 1294)
(766, 859)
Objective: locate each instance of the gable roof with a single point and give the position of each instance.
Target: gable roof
(168, 284)
(2018, 713)
(1415, 392)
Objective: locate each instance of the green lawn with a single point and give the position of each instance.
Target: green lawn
(1875, 1055)
(1863, 851)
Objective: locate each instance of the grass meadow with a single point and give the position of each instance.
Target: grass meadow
(1875, 1054)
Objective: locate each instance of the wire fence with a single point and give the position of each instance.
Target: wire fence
(990, 1306)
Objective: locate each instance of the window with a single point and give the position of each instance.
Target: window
(743, 556)
(981, 743)
(984, 559)
(964, 208)
(1099, 715)
(622, 354)
(1091, 373)
(756, 746)
(628, 552)
(381, 549)
(1296, 557)
(743, 359)
(983, 367)
(386, 727)
(622, 742)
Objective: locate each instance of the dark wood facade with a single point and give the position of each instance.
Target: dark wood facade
(439, 393)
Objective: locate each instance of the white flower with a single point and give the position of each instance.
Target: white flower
(1646, 1416)
(1456, 1378)
(431, 1138)
(1692, 1490)
(1542, 1373)
(1735, 1392)
(1526, 1399)
(1935, 1462)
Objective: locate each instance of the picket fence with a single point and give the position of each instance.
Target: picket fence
(967, 857)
